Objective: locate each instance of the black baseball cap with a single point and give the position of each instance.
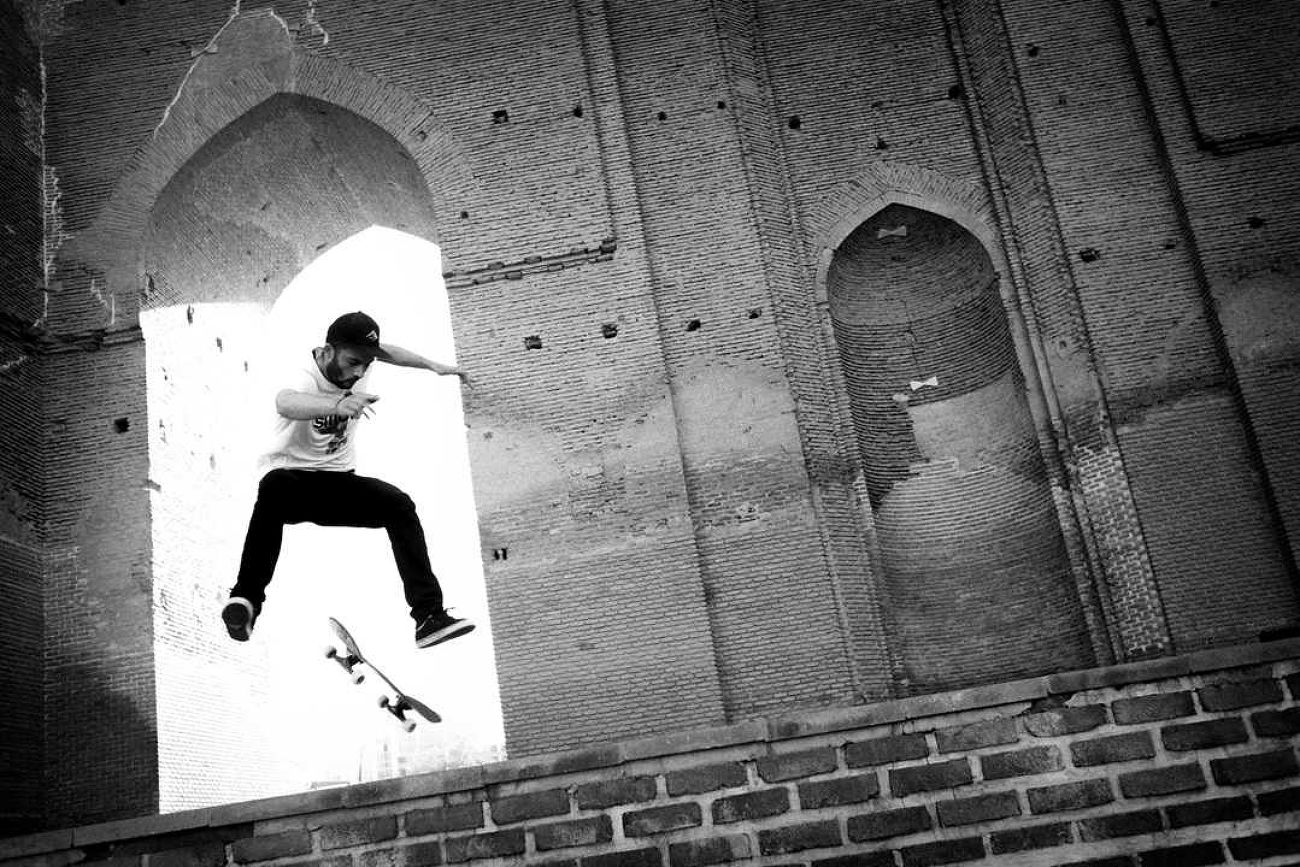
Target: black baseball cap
(354, 329)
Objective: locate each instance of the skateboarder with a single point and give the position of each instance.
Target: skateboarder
(310, 477)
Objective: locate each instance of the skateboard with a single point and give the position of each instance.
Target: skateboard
(398, 703)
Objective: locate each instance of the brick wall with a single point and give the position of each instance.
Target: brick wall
(637, 207)
(21, 479)
(1187, 761)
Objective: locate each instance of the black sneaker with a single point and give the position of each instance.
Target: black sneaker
(239, 616)
(440, 627)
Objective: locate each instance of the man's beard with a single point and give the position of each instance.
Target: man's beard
(334, 374)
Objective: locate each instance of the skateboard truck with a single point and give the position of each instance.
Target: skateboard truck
(348, 662)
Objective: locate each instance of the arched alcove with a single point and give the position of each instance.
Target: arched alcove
(977, 576)
(278, 197)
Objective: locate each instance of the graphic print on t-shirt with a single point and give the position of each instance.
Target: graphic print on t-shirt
(335, 427)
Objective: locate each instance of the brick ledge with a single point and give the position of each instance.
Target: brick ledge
(762, 730)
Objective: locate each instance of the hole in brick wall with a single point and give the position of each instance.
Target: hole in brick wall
(722, 103)
(663, 115)
(693, 325)
(1089, 254)
(608, 330)
(499, 554)
(1255, 222)
(500, 116)
(755, 312)
(189, 314)
(1031, 50)
(464, 215)
(122, 425)
(881, 144)
(794, 122)
(577, 111)
(956, 92)
(532, 341)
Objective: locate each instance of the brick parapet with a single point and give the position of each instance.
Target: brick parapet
(1190, 756)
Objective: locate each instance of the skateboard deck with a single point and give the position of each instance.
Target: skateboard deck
(393, 700)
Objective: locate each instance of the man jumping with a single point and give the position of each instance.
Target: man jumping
(312, 478)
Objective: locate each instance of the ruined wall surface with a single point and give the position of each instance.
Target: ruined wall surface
(638, 205)
(1185, 761)
(21, 494)
(1131, 225)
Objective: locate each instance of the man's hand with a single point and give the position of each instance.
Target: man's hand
(356, 405)
(464, 377)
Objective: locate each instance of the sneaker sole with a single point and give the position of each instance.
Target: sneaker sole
(445, 635)
(237, 621)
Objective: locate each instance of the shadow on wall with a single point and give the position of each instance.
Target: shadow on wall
(104, 729)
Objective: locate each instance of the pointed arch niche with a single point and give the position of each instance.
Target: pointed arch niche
(978, 580)
(258, 241)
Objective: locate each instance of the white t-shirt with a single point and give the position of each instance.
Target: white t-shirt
(323, 443)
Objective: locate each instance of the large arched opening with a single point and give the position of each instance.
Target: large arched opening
(269, 231)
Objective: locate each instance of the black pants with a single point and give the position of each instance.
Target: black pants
(335, 499)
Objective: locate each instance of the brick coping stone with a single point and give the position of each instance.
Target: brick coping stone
(761, 730)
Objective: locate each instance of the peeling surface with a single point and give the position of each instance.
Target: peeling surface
(199, 55)
(314, 23)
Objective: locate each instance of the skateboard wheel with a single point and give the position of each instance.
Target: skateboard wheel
(331, 653)
(383, 701)
(358, 677)
(408, 725)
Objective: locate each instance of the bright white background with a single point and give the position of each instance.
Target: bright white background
(415, 440)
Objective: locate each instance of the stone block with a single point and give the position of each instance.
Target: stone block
(439, 820)
(1077, 795)
(1112, 749)
(755, 805)
(929, 778)
(793, 766)
(1235, 771)
(577, 832)
(658, 820)
(1065, 721)
(883, 824)
(837, 792)
(982, 808)
(885, 751)
(1152, 708)
(534, 805)
(603, 794)
(1162, 781)
(706, 778)
(1021, 763)
(1204, 735)
(799, 838)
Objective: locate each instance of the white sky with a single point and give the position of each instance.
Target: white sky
(321, 728)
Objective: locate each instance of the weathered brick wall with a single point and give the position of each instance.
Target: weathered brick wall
(21, 495)
(1192, 459)
(1189, 761)
(637, 207)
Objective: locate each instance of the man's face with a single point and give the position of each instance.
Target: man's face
(345, 365)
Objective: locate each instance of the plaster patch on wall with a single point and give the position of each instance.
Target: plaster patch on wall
(1261, 318)
(31, 112)
(52, 224)
(314, 23)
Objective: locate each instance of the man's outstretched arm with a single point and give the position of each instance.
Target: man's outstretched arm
(406, 358)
